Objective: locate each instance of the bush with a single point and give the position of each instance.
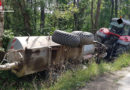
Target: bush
(75, 79)
(7, 36)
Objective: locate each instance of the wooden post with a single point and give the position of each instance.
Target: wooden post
(1, 22)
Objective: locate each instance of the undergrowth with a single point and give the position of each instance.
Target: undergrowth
(74, 80)
(69, 80)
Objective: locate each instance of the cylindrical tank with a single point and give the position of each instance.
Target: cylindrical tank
(30, 42)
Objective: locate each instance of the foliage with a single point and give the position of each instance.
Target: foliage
(66, 12)
(7, 36)
(2, 50)
(6, 78)
(74, 80)
(59, 14)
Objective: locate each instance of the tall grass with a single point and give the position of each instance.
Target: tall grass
(74, 80)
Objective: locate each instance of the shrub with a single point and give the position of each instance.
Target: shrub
(7, 36)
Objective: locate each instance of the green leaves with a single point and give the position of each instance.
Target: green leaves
(7, 36)
(66, 12)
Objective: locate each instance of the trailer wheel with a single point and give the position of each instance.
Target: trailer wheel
(65, 38)
(85, 37)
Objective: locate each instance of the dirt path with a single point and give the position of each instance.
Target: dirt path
(119, 80)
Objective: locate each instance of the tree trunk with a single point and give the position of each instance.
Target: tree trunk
(76, 22)
(97, 13)
(92, 15)
(57, 5)
(74, 2)
(77, 16)
(35, 13)
(74, 25)
(78, 3)
(25, 15)
(1, 24)
(116, 8)
(42, 16)
(112, 9)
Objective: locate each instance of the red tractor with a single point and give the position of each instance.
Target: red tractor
(116, 37)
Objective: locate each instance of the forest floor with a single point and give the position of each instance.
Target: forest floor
(119, 80)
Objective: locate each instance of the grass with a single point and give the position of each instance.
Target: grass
(74, 80)
(69, 80)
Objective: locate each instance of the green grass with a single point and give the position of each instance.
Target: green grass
(74, 80)
(69, 80)
(122, 61)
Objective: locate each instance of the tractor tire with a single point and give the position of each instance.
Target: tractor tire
(85, 37)
(65, 38)
(120, 51)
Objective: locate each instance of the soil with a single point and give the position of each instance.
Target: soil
(119, 80)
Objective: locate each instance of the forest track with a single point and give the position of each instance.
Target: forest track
(119, 80)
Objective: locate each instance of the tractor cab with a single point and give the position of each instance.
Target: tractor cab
(120, 26)
(116, 37)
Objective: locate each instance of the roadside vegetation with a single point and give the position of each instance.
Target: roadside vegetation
(68, 80)
(74, 80)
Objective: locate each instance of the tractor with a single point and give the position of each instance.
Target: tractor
(116, 37)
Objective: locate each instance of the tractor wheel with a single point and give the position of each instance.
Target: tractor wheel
(109, 50)
(65, 38)
(85, 37)
(120, 50)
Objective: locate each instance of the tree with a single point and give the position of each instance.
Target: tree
(87, 15)
(92, 26)
(116, 8)
(42, 15)
(1, 24)
(76, 25)
(24, 15)
(35, 15)
(97, 13)
(112, 9)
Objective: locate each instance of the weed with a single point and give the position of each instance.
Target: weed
(69, 80)
(73, 80)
